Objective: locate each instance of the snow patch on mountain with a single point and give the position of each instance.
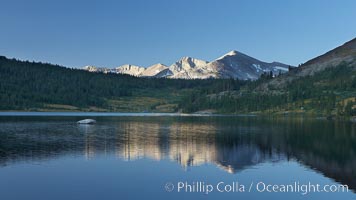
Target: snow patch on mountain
(230, 53)
(281, 68)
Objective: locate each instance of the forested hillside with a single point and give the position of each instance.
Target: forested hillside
(329, 92)
(46, 87)
(36, 86)
(325, 85)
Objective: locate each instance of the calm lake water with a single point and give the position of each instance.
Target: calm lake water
(175, 157)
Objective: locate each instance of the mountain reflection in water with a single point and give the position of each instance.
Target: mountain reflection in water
(231, 143)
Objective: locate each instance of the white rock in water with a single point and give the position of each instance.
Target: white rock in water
(87, 121)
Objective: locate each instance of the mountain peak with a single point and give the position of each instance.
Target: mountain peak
(153, 70)
(230, 53)
(185, 65)
(129, 66)
(130, 69)
(185, 58)
(90, 68)
(190, 61)
(157, 65)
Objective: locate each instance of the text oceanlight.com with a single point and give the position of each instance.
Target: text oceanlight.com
(294, 187)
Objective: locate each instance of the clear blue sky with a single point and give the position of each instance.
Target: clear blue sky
(111, 33)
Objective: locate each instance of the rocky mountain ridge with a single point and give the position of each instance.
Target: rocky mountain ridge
(231, 65)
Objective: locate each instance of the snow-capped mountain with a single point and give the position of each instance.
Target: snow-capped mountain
(188, 68)
(90, 68)
(238, 65)
(99, 69)
(130, 69)
(231, 65)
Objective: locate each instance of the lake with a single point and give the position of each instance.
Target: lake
(154, 156)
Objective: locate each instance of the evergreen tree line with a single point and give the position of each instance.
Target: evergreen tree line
(26, 85)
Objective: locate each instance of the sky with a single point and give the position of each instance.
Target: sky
(76, 33)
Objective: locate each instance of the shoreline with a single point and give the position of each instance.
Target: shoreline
(176, 114)
(101, 114)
